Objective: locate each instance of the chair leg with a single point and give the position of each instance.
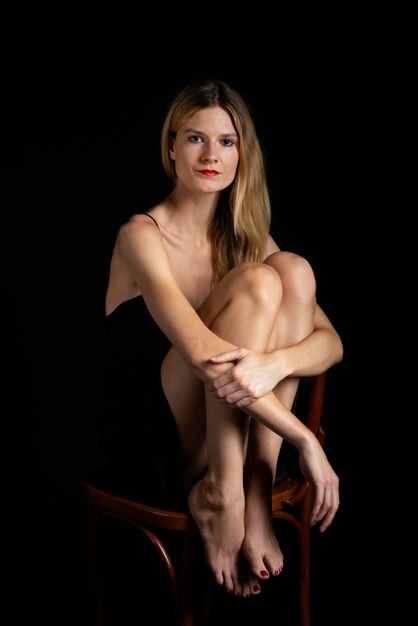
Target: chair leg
(186, 612)
(96, 608)
(304, 590)
(305, 565)
(303, 574)
(207, 600)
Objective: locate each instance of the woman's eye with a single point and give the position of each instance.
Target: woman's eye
(227, 142)
(195, 138)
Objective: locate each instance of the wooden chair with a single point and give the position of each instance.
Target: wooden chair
(290, 501)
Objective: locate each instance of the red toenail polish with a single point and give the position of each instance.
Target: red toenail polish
(277, 572)
(264, 573)
(256, 588)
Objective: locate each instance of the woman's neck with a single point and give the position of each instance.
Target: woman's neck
(189, 216)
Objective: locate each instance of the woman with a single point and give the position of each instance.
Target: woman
(210, 328)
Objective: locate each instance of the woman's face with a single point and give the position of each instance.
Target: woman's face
(205, 151)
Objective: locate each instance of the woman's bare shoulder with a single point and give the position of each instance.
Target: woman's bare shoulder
(138, 242)
(138, 220)
(137, 226)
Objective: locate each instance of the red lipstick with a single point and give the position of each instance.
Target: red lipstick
(208, 172)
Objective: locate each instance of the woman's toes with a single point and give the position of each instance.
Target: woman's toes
(237, 590)
(229, 585)
(256, 589)
(274, 568)
(246, 590)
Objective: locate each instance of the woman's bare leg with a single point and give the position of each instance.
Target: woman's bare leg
(294, 323)
(243, 310)
(217, 500)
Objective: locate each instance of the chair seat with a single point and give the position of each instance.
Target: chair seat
(110, 500)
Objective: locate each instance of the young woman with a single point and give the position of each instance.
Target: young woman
(210, 327)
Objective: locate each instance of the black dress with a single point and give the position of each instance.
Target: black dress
(138, 432)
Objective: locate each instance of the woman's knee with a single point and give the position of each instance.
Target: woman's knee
(247, 284)
(260, 282)
(296, 274)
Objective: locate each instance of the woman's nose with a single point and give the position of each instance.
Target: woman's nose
(210, 153)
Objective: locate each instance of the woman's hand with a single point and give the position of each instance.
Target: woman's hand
(252, 376)
(323, 481)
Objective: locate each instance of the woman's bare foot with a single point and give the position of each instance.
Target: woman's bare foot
(220, 520)
(260, 546)
(249, 582)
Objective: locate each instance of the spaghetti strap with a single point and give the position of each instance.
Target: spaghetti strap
(155, 221)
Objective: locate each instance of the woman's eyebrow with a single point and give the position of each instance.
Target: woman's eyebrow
(200, 132)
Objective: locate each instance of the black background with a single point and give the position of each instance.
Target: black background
(83, 101)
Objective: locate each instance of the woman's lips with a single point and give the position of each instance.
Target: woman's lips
(208, 172)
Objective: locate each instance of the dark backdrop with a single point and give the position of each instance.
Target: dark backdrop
(83, 104)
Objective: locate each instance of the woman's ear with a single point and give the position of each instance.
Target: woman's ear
(171, 150)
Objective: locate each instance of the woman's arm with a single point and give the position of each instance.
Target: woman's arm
(140, 254)
(255, 373)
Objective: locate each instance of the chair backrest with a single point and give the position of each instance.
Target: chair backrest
(309, 401)
(307, 406)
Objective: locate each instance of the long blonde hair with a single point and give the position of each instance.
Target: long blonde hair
(242, 219)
